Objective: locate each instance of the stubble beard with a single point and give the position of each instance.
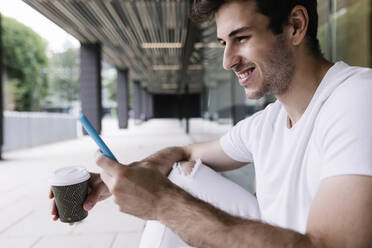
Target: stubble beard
(278, 70)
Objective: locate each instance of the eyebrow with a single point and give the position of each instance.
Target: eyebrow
(237, 31)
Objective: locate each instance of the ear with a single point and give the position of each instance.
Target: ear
(298, 21)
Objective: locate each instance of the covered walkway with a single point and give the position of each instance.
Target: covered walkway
(25, 219)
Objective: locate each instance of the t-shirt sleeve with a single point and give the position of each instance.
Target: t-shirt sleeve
(347, 131)
(236, 142)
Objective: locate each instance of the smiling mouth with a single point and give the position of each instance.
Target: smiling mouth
(246, 73)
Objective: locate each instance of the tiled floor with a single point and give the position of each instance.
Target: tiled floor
(25, 219)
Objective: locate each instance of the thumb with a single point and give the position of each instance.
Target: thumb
(108, 165)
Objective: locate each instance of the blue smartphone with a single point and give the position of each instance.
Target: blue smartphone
(93, 133)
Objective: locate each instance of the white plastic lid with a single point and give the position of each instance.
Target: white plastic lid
(68, 176)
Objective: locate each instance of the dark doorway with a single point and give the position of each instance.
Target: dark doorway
(177, 106)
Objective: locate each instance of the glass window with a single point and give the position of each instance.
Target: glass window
(348, 37)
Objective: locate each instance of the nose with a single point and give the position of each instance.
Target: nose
(230, 58)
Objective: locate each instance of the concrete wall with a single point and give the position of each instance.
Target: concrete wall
(22, 130)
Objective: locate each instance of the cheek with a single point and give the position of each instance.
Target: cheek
(255, 52)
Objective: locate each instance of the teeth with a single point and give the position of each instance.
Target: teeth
(245, 74)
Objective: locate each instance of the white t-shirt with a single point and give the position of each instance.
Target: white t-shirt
(333, 137)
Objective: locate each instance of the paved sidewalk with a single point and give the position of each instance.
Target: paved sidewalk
(25, 219)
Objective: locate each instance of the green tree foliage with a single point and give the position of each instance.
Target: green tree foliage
(64, 78)
(24, 54)
(109, 83)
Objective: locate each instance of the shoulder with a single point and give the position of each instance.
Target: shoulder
(347, 97)
(257, 122)
(352, 92)
(344, 124)
(352, 81)
(346, 106)
(266, 115)
(240, 141)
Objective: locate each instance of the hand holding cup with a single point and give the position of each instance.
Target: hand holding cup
(96, 191)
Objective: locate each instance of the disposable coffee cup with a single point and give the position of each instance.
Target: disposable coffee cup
(70, 189)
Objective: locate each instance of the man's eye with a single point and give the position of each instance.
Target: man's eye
(243, 38)
(222, 43)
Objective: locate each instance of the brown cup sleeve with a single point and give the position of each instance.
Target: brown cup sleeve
(69, 201)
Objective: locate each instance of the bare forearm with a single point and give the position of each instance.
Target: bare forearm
(202, 225)
(210, 153)
(164, 159)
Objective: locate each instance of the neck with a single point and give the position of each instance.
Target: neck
(306, 79)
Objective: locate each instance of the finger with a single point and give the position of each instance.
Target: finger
(51, 195)
(93, 180)
(92, 198)
(107, 179)
(108, 165)
(54, 209)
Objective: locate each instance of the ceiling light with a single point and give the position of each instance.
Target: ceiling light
(214, 45)
(196, 67)
(166, 67)
(169, 86)
(198, 45)
(162, 45)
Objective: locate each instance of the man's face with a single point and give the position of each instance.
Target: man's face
(263, 62)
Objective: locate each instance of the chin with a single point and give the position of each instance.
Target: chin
(253, 94)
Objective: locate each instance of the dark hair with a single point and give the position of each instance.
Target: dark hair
(276, 11)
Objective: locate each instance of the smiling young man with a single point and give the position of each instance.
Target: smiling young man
(311, 148)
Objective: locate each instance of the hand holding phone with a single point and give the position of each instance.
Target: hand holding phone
(95, 136)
